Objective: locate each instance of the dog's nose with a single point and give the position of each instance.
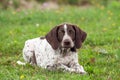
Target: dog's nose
(66, 42)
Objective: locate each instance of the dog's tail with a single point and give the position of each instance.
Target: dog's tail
(21, 63)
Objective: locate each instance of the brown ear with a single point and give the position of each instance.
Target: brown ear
(80, 36)
(52, 38)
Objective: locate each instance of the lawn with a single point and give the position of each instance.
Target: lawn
(100, 53)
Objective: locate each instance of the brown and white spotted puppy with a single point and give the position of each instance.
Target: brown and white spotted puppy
(57, 50)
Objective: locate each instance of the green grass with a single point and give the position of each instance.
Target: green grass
(101, 24)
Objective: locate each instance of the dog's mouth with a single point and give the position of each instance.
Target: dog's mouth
(66, 46)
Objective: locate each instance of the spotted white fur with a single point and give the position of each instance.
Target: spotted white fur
(47, 57)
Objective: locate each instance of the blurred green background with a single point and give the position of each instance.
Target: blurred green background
(21, 20)
(7, 4)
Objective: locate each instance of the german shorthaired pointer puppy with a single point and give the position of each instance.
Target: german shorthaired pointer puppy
(57, 50)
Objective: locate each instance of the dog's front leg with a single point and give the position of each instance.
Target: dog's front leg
(60, 67)
(77, 67)
(65, 68)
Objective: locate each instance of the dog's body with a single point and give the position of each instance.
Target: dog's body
(57, 50)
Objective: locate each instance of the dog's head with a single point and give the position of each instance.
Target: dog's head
(66, 36)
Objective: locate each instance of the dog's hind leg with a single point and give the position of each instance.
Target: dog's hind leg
(29, 53)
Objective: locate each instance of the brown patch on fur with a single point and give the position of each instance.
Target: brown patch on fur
(42, 37)
(33, 59)
(52, 38)
(80, 36)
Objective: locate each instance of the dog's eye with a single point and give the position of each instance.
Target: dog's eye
(70, 31)
(62, 31)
